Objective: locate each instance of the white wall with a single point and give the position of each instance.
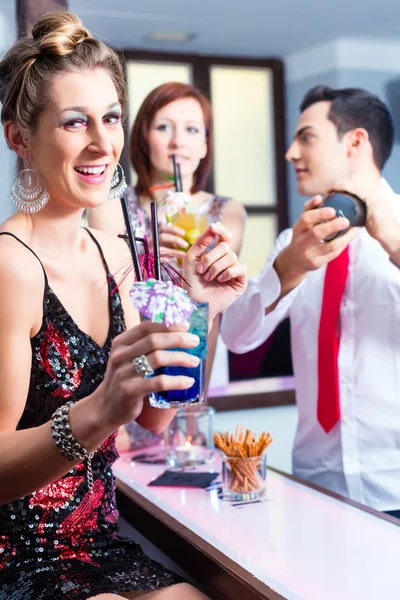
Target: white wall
(7, 158)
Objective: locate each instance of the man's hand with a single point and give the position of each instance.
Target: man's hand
(380, 222)
(307, 251)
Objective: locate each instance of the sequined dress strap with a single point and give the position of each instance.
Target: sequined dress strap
(41, 264)
(30, 250)
(100, 251)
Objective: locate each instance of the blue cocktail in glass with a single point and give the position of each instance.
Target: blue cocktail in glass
(198, 321)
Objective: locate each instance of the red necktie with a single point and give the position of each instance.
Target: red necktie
(328, 407)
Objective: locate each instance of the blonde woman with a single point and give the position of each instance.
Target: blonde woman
(68, 345)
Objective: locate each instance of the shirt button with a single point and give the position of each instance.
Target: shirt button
(345, 420)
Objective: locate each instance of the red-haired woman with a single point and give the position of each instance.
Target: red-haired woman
(175, 118)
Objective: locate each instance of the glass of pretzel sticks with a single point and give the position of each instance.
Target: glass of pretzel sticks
(244, 464)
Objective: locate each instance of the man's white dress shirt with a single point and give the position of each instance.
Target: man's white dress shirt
(360, 456)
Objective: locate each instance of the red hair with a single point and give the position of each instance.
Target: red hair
(139, 138)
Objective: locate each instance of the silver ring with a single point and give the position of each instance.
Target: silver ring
(142, 366)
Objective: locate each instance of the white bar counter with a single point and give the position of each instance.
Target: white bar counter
(298, 543)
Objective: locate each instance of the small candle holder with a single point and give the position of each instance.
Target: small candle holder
(243, 478)
(189, 437)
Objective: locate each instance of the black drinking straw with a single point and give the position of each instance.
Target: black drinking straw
(132, 241)
(180, 178)
(156, 241)
(175, 173)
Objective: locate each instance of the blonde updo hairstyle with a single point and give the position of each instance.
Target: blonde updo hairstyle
(59, 44)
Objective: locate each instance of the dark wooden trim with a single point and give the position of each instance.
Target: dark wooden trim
(221, 578)
(124, 159)
(260, 210)
(146, 56)
(201, 65)
(280, 146)
(277, 68)
(30, 10)
(247, 401)
(201, 79)
(327, 492)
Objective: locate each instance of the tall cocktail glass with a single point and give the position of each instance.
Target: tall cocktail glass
(198, 322)
(193, 223)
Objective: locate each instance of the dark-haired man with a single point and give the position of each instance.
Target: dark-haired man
(343, 300)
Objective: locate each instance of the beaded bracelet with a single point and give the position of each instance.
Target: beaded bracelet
(63, 436)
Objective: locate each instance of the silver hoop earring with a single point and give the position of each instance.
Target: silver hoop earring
(118, 183)
(28, 194)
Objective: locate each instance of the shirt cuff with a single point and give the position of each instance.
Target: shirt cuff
(269, 286)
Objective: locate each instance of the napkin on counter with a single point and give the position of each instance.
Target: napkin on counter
(184, 479)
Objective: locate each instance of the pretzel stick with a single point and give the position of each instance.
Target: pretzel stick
(238, 448)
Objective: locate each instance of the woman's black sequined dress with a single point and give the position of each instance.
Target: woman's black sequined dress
(61, 542)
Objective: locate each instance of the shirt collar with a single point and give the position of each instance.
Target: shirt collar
(394, 199)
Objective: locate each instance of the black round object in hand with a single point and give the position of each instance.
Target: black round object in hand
(346, 205)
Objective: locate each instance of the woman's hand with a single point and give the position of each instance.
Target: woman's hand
(171, 238)
(215, 277)
(123, 390)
